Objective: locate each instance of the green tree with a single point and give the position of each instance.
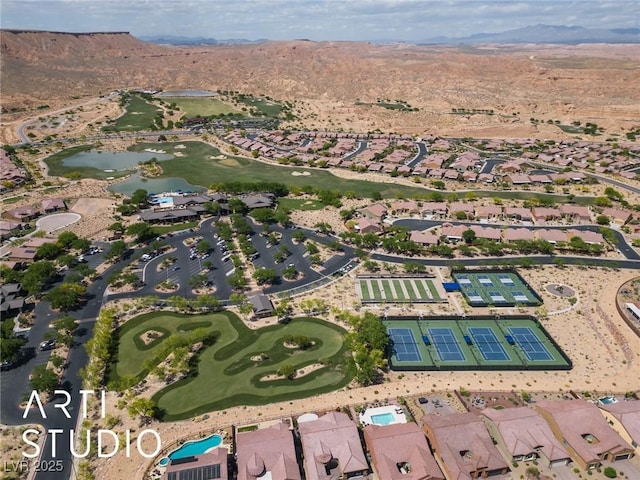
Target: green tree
(263, 215)
(66, 296)
(141, 230)
(43, 379)
(117, 250)
(198, 280)
(145, 408)
(66, 239)
(203, 246)
(117, 227)
(469, 236)
(299, 235)
(287, 370)
(48, 251)
(602, 220)
(140, 198)
(265, 275)
(290, 272)
(37, 276)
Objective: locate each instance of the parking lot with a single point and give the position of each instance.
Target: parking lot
(189, 262)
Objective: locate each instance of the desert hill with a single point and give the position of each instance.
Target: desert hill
(583, 82)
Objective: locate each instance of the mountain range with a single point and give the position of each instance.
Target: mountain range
(548, 34)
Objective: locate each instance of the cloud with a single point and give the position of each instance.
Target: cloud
(316, 19)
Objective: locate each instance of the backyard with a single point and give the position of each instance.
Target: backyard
(233, 370)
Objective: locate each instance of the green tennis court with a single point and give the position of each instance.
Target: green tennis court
(498, 288)
(472, 343)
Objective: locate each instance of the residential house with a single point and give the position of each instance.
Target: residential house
(587, 236)
(267, 453)
(452, 232)
(401, 451)
(488, 212)
(545, 214)
(521, 434)
(486, 178)
(462, 446)
(518, 213)
(434, 209)
(211, 465)
(518, 179)
(405, 208)
(487, 233)
(376, 211)
(24, 213)
(618, 216)
(552, 235)
(624, 418)
(367, 225)
(575, 213)
(332, 448)
(9, 228)
(50, 205)
(467, 208)
(515, 234)
(584, 432)
(11, 300)
(423, 238)
(22, 254)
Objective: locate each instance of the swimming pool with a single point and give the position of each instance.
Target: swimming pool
(383, 418)
(608, 400)
(195, 447)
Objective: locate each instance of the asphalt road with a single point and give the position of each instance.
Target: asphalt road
(422, 152)
(15, 382)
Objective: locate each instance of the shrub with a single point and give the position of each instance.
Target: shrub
(610, 472)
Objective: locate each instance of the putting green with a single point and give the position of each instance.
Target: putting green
(224, 374)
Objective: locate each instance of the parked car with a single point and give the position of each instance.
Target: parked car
(47, 345)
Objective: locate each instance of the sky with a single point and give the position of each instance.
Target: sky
(351, 20)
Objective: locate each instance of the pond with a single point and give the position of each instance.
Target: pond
(154, 185)
(112, 160)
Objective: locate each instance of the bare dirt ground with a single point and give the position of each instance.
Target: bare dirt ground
(325, 80)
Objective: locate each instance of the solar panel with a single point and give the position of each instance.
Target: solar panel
(205, 472)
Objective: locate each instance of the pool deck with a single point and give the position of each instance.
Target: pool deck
(395, 410)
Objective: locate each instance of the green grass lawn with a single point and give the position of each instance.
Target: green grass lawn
(267, 107)
(198, 168)
(300, 204)
(162, 229)
(139, 115)
(224, 374)
(201, 106)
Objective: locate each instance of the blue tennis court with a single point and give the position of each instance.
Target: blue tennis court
(446, 345)
(488, 344)
(530, 344)
(404, 345)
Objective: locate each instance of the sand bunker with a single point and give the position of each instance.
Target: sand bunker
(178, 154)
(181, 146)
(298, 174)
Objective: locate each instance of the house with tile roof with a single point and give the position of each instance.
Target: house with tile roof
(267, 453)
(401, 452)
(521, 434)
(584, 432)
(332, 448)
(210, 465)
(624, 418)
(462, 446)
